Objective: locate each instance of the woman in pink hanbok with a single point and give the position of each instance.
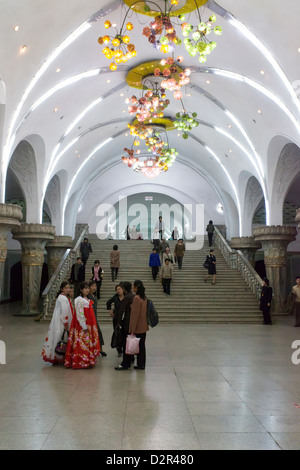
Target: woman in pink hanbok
(83, 344)
(60, 322)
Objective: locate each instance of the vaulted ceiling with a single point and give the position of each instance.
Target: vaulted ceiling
(60, 95)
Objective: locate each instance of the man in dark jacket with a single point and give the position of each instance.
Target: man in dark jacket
(77, 275)
(85, 250)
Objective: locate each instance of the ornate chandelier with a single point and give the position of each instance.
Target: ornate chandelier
(161, 32)
(162, 156)
(150, 105)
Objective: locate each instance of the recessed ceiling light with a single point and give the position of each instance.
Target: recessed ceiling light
(298, 49)
(259, 111)
(229, 126)
(55, 110)
(58, 70)
(208, 82)
(23, 48)
(16, 28)
(108, 81)
(230, 151)
(121, 94)
(262, 72)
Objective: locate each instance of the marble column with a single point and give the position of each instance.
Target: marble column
(275, 240)
(298, 217)
(247, 245)
(33, 239)
(10, 217)
(56, 249)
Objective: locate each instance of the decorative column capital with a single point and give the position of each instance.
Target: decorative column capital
(10, 214)
(33, 238)
(284, 233)
(60, 241)
(240, 243)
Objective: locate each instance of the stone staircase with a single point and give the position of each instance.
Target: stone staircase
(192, 300)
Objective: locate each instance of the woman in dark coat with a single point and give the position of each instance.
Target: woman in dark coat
(212, 271)
(265, 301)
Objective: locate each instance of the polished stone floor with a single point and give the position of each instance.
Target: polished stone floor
(205, 387)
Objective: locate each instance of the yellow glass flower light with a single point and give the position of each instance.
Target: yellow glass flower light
(121, 48)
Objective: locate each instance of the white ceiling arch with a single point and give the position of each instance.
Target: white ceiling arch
(250, 70)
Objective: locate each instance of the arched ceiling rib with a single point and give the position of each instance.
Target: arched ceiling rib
(227, 107)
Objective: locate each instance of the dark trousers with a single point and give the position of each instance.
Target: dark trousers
(210, 238)
(155, 270)
(120, 348)
(167, 286)
(267, 316)
(98, 283)
(114, 273)
(128, 359)
(179, 261)
(297, 314)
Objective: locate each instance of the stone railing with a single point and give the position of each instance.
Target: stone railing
(61, 273)
(236, 260)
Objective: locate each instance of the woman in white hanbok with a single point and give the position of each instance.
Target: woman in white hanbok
(61, 321)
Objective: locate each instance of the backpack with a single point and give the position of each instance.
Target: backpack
(152, 315)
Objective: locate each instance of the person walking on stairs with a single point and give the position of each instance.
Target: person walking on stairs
(212, 271)
(210, 231)
(154, 263)
(114, 262)
(166, 276)
(179, 252)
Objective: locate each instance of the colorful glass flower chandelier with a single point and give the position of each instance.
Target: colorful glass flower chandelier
(161, 32)
(198, 43)
(174, 77)
(121, 50)
(161, 158)
(151, 105)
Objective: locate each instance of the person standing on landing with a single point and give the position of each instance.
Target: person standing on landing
(83, 346)
(296, 293)
(265, 301)
(60, 322)
(160, 226)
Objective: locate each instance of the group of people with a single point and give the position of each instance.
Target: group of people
(78, 321)
(164, 260)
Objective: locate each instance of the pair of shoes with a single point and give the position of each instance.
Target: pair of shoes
(121, 368)
(139, 368)
(103, 353)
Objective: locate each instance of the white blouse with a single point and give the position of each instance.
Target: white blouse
(80, 305)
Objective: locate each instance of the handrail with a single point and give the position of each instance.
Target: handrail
(237, 260)
(59, 275)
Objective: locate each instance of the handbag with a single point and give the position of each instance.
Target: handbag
(132, 344)
(117, 337)
(61, 346)
(206, 264)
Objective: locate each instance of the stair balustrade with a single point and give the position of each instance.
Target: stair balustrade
(61, 273)
(237, 260)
